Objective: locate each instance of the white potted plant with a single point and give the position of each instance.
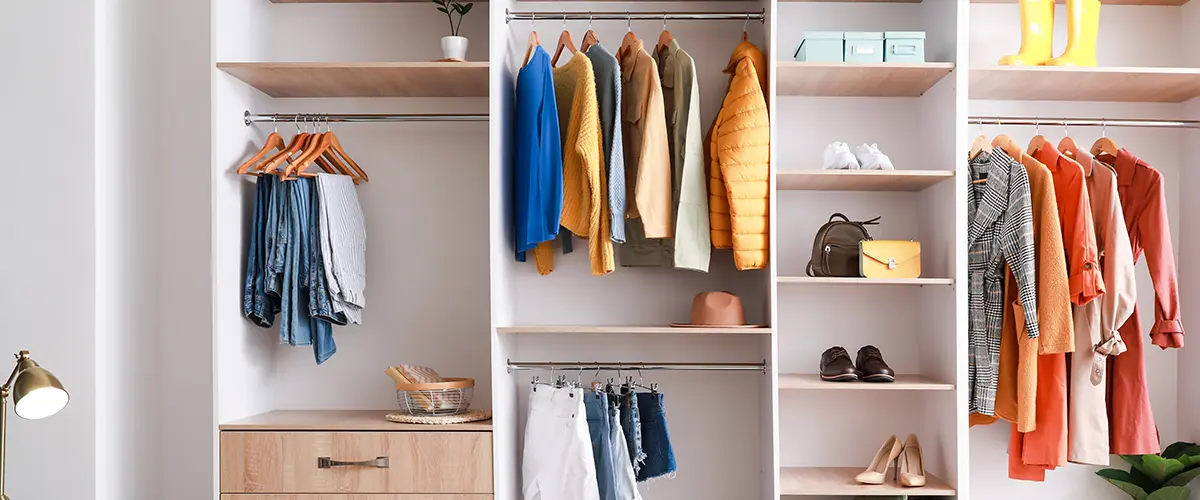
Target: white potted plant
(454, 47)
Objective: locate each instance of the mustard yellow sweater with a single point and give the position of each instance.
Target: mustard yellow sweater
(585, 188)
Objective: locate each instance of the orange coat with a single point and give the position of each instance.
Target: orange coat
(739, 162)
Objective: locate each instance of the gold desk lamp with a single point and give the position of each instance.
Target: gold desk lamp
(36, 392)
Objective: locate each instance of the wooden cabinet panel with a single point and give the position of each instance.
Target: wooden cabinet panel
(418, 462)
(356, 497)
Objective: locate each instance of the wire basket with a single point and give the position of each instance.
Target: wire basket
(452, 397)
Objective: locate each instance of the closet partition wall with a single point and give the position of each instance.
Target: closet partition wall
(721, 423)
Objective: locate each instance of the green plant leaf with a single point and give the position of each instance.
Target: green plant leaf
(1160, 469)
(1176, 450)
(1185, 477)
(1122, 480)
(1134, 460)
(1190, 456)
(442, 10)
(1170, 493)
(1141, 479)
(464, 9)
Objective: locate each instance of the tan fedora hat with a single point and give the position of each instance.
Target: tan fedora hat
(717, 310)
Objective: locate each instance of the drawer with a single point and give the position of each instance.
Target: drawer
(409, 462)
(340, 497)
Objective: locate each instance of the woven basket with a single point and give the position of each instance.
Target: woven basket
(452, 397)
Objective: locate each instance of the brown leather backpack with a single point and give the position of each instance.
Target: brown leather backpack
(835, 252)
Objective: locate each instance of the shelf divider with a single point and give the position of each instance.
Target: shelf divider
(813, 382)
(808, 280)
(834, 481)
(1103, 84)
(860, 180)
(859, 80)
(363, 79)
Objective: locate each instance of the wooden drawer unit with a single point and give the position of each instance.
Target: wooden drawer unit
(353, 459)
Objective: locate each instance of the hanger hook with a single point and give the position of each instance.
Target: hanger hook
(664, 20)
(1103, 128)
(275, 122)
(1066, 131)
(746, 25)
(590, 17)
(564, 21)
(628, 21)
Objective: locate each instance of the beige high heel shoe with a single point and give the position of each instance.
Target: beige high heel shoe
(878, 469)
(910, 465)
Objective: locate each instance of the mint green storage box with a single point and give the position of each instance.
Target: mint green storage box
(864, 47)
(904, 46)
(821, 46)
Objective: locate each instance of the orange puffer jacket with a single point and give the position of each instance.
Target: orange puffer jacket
(739, 162)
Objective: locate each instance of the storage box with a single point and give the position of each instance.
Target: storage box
(904, 46)
(821, 46)
(864, 47)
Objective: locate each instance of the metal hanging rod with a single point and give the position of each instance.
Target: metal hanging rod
(760, 16)
(1081, 122)
(623, 366)
(361, 118)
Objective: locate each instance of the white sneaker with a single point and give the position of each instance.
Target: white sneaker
(839, 157)
(871, 159)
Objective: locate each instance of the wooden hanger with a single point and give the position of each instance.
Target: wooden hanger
(297, 143)
(664, 39)
(564, 42)
(981, 144)
(589, 38)
(1104, 145)
(274, 141)
(336, 145)
(533, 41)
(1038, 140)
(1067, 145)
(1009, 146)
(630, 38)
(328, 160)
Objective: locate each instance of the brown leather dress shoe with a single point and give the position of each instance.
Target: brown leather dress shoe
(871, 366)
(837, 367)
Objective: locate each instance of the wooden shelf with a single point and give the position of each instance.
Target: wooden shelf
(339, 420)
(859, 80)
(632, 330)
(860, 180)
(1175, 3)
(813, 382)
(1085, 84)
(851, 1)
(806, 280)
(831, 481)
(385, 79)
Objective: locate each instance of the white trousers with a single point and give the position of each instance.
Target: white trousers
(558, 462)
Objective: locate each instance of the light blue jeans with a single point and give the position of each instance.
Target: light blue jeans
(600, 428)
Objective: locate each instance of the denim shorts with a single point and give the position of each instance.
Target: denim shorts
(631, 425)
(600, 428)
(656, 441)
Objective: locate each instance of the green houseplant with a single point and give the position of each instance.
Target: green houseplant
(454, 47)
(1158, 477)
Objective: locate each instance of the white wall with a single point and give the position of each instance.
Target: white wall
(48, 110)
(1189, 272)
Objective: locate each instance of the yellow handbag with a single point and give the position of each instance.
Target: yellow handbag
(890, 259)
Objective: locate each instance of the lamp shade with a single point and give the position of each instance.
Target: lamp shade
(37, 393)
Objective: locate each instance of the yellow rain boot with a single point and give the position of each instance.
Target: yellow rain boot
(1037, 32)
(1083, 27)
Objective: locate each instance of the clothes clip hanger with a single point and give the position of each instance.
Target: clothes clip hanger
(536, 380)
(589, 38)
(564, 42)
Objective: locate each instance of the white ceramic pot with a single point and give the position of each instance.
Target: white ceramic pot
(454, 47)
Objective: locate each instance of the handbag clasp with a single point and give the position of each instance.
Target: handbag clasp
(891, 263)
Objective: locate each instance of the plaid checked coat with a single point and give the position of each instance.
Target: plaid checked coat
(1000, 216)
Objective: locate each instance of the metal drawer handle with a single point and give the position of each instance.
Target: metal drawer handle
(378, 463)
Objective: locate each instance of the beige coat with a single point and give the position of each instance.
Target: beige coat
(1096, 322)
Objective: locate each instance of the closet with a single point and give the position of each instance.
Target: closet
(748, 414)
(720, 422)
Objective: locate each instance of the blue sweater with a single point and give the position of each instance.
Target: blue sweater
(537, 175)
